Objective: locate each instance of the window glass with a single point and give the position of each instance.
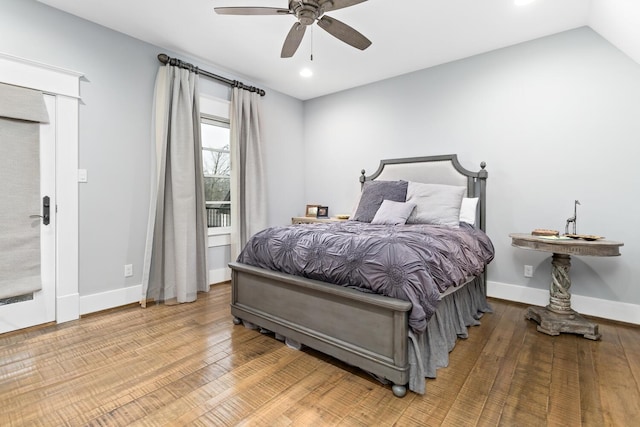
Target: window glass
(217, 171)
(217, 189)
(215, 135)
(216, 163)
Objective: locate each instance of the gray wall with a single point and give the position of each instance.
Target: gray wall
(115, 134)
(556, 119)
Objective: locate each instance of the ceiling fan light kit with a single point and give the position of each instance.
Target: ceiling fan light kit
(307, 12)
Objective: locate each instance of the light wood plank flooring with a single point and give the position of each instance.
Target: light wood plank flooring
(189, 365)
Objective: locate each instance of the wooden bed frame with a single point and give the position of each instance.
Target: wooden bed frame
(339, 321)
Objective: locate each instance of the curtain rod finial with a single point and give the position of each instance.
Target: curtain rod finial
(163, 57)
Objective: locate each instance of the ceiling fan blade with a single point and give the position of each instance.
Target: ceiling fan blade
(344, 32)
(292, 42)
(251, 11)
(339, 4)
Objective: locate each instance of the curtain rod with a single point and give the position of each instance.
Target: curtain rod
(164, 58)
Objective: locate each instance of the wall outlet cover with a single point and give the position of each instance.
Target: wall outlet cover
(528, 271)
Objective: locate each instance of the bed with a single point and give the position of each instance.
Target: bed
(380, 334)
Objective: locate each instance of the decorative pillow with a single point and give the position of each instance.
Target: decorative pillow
(468, 210)
(374, 192)
(393, 213)
(435, 203)
(354, 208)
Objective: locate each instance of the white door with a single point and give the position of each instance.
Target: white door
(40, 306)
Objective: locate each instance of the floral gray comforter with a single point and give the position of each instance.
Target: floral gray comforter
(410, 262)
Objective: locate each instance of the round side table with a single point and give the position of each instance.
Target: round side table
(558, 317)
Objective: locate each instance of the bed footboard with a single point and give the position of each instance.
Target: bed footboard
(365, 330)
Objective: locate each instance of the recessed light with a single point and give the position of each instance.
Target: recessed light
(306, 72)
(522, 2)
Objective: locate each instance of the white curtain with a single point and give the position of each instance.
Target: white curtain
(175, 268)
(248, 196)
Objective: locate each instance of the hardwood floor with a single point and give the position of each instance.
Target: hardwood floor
(189, 365)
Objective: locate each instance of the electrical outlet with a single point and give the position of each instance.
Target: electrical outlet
(128, 270)
(528, 271)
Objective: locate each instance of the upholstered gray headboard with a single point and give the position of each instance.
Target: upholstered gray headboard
(444, 169)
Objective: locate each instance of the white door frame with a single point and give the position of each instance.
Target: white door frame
(65, 86)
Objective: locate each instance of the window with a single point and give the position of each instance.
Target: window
(217, 170)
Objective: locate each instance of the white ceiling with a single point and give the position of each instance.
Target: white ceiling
(407, 35)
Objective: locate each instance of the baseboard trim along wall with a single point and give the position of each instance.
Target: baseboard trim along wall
(119, 297)
(110, 299)
(606, 309)
(219, 275)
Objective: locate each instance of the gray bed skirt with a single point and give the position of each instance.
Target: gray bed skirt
(455, 313)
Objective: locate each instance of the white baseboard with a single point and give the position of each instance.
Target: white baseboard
(110, 299)
(67, 308)
(131, 294)
(219, 275)
(606, 309)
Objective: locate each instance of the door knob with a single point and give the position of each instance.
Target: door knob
(46, 204)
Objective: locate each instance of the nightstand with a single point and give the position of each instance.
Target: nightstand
(312, 219)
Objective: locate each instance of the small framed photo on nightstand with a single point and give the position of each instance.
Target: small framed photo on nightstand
(323, 212)
(312, 211)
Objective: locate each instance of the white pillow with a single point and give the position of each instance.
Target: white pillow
(393, 213)
(468, 210)
(435, 203)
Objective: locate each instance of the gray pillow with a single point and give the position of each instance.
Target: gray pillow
(393, 213)
(374, 192)
(435, 203)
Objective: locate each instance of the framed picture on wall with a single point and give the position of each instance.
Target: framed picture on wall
(323, 212)
(312, 210)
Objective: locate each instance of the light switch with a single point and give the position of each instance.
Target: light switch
(82, 175)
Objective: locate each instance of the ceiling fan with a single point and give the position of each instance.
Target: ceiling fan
(307, 12)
